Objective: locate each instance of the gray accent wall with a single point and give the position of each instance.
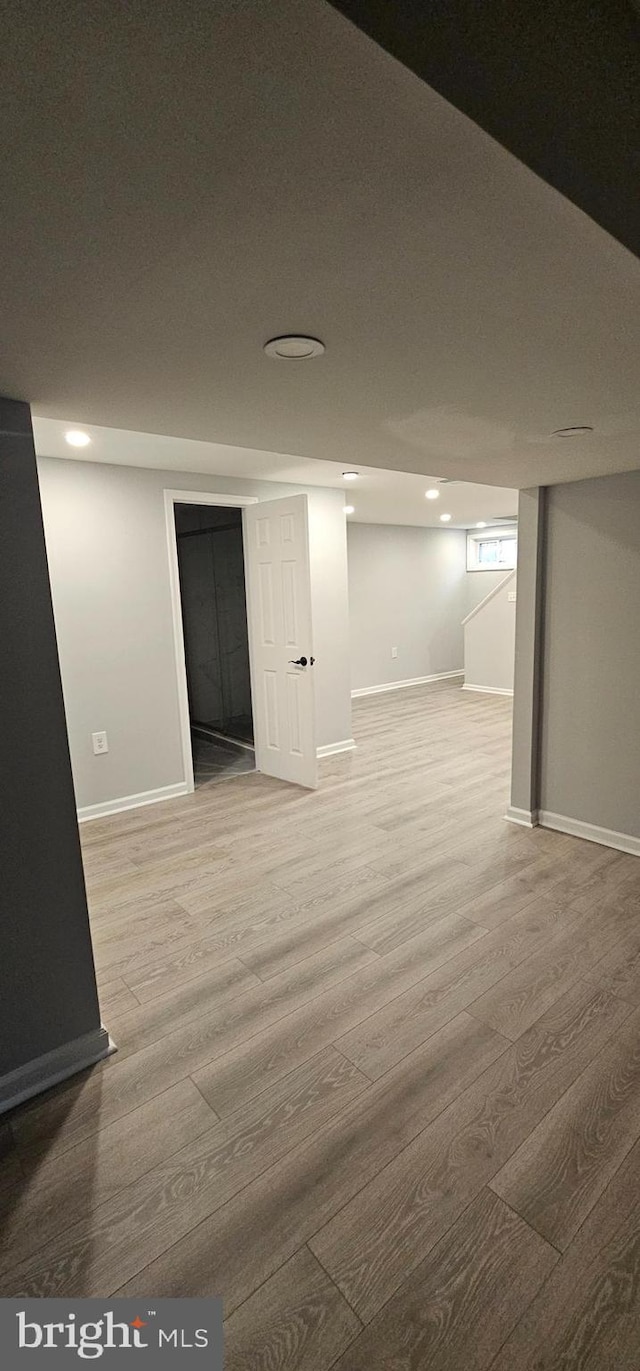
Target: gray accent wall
(47, 983)
(525, 753)
(407, 589)
(590, 745)
(107, 550)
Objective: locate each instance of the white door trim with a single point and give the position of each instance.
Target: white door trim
(330, 749)
(527, 818)
(487, 690)
(403, 685)
(593, 833)
(188, 497)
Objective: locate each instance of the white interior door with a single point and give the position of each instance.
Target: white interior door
(280, 642)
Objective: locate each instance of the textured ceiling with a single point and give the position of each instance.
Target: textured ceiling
(178, 189)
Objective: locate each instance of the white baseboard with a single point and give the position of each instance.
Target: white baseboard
(146, 797)
(487, 690)
(402, 685)
(623, 842)
(329, 749)
(53, 1067)
(527, 818)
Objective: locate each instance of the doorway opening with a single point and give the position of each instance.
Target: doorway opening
(213, 603)
(271, 548)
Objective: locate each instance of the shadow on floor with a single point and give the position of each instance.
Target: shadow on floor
(213, 761)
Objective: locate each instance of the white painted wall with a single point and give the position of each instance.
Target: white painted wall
(107, 552)
(480, 583)
(407, 589)
(330, 610)
(490, 638)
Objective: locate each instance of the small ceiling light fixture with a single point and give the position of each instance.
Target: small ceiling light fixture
(445, 518)
(350, 475)
(76, 438)
(432, 494)
(481, 524)
(294, 347)
(349, 509)
(574, 431)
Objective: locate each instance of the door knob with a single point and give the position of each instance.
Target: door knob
(301, 661)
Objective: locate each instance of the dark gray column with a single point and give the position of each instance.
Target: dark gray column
(49, 1015)
(525, 781)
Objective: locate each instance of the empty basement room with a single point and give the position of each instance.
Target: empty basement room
(320, 499)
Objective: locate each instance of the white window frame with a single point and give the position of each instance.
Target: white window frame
(490, 535)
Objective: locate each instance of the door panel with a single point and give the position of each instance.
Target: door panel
(280, 632)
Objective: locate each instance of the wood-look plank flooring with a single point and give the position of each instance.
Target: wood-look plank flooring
(378, 1078)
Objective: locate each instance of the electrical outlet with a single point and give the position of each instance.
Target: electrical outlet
(511, 596)
(394, 652)
(100, 743)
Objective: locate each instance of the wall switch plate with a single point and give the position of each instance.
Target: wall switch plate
(511, 596)
(100, 743)
(394, 652)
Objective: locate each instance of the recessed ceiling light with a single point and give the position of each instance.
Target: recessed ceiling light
(349, 509)
(445, 518)
(574, 431)
(294, 347)
(77, 438)
(432, 494)
(481, 524)
(350, 475)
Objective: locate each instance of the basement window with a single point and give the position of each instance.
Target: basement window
(492, 550)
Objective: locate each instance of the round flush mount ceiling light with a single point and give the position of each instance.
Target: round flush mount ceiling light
(294, 347)
(349, 509)
(444, 518)
(432, 494)
(574, 431)
(76, 438)
(350, 475)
